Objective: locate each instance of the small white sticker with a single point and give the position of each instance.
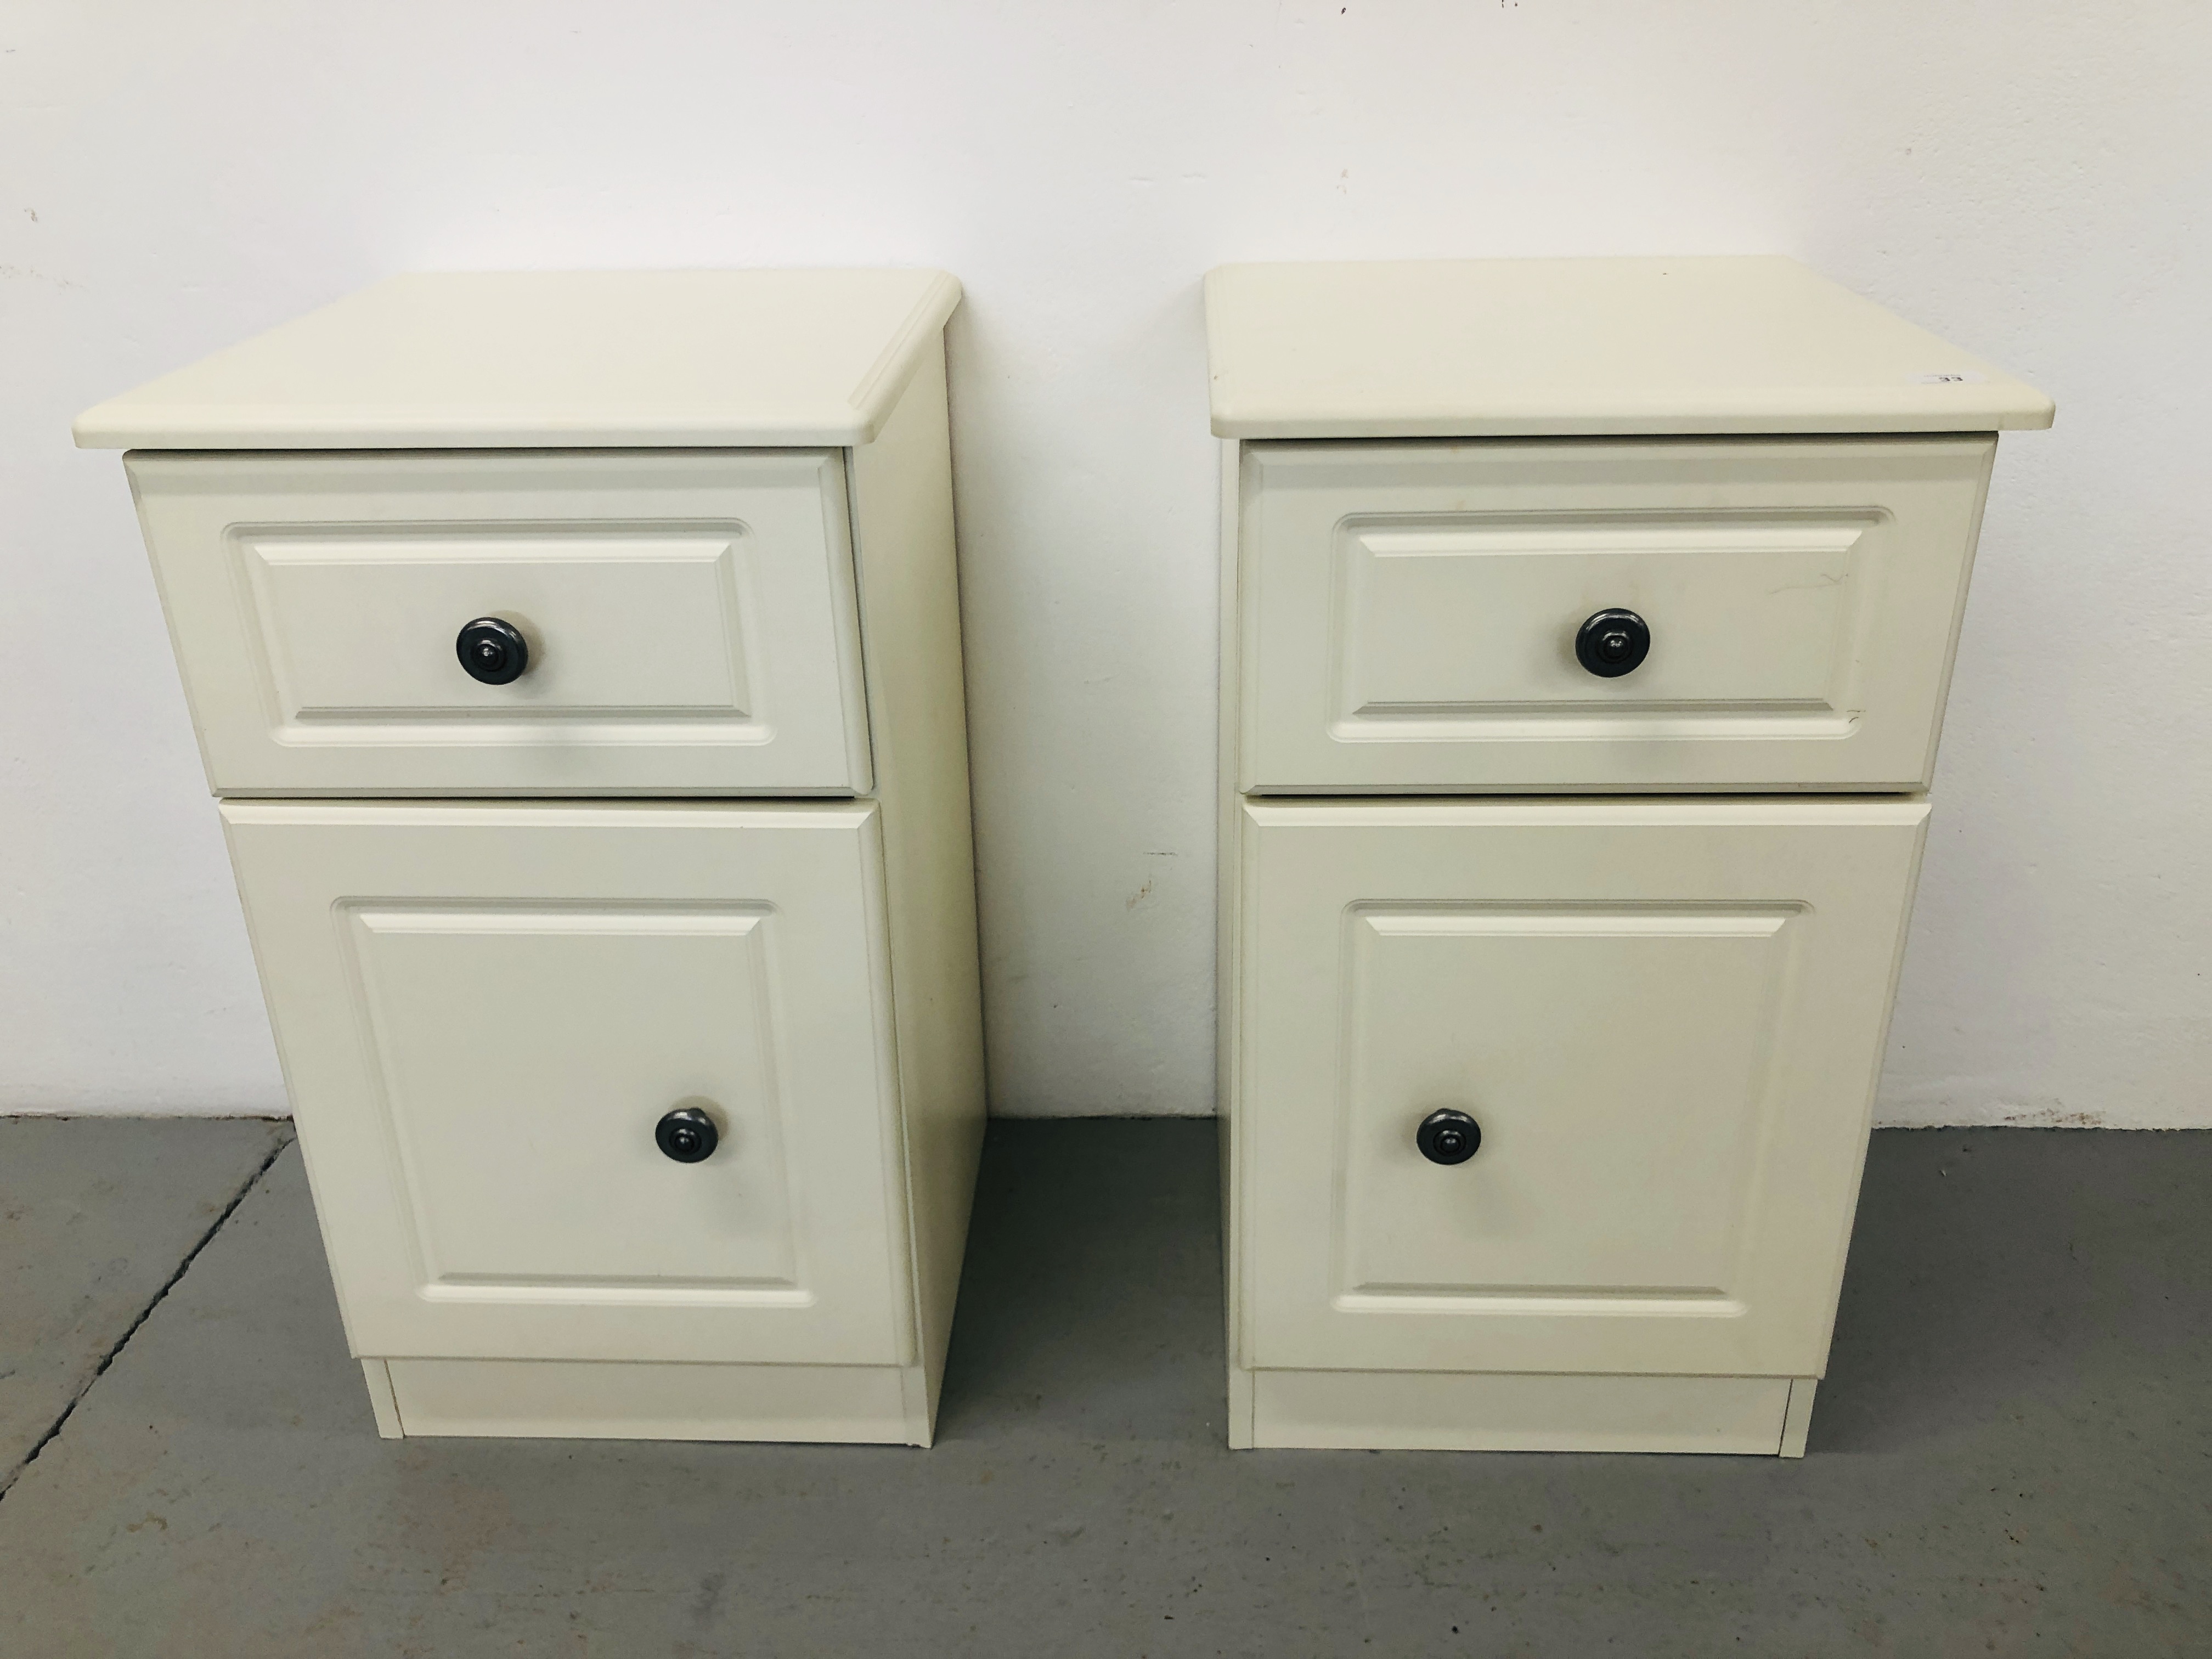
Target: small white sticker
(1951, 377)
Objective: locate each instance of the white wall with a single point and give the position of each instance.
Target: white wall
(2028, 179)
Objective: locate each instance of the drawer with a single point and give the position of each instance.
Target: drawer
(485, 1011)
(688, 615)
(1409, 612)
(1666, 1020)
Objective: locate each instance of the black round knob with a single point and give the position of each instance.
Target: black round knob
(493, 650)
(686, 1134)
(1612, 643)
(1448, 1137)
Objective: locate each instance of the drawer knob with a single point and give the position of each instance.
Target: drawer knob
(493, 650)
(1448, 1137)
(1612, 643)
(686, 1134)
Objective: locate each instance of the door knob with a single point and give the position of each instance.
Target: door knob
(1612, 643)
(686, 1134)
(1448, 1137)
(493, 650)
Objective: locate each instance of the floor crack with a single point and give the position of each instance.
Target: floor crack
(7, 1481)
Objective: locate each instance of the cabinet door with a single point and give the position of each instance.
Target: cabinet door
(484, 1012)
(1667, 1020)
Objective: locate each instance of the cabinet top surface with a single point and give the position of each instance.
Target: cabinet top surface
(566, 359)
(1531, 347)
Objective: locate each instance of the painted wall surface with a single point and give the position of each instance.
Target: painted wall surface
(2030, 180)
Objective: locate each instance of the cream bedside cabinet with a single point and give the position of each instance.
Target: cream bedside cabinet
(577, 658)
(1586, 631)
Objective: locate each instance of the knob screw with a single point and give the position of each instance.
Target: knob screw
(493, 650)
(1611, 643)
(686, 1134)
(1448, 1137)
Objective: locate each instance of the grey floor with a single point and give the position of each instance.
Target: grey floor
(2009, 1456)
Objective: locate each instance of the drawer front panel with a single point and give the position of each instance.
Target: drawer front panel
(1411, 612)
(689, 620)
(485, 1013)
(1666, 1019)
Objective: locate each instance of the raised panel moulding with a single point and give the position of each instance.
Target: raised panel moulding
(1441, 625)
(521, 1054)
(1501, 1010)
(635, 629)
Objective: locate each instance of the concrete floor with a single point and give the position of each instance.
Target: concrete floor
(2012, 1453)
(96, 1217)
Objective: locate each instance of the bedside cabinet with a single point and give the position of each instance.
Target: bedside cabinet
(577, 659)
(1586, 630)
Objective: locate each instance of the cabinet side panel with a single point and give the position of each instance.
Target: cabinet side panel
(917, 709)
(1797, 1423)
(1958, 608)
(381, 1400)
(1833, 1275)
(1227, 958)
